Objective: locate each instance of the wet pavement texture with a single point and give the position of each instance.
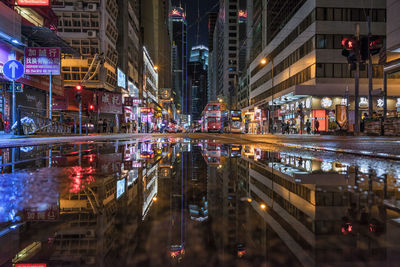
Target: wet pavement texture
(196, 202)
(368, 145)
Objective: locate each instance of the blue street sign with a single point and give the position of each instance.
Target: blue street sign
(13, 69)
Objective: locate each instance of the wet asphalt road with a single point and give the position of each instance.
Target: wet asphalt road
(383, 147)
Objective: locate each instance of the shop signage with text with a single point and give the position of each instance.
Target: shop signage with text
(110, 103)
(147, 110)
(130, 101)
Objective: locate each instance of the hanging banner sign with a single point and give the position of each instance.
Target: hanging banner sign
(341, 115)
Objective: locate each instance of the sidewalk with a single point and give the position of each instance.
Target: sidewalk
(378, 147)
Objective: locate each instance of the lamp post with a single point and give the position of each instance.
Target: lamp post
(263, 62)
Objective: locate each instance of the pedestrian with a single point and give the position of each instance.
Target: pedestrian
(134, 125)
(362, 123)
(105, 126)
(283, 127)
(1, 123)
(308, 126)
(316, 126)
(288, 127)
(99, 126)
(111, 126)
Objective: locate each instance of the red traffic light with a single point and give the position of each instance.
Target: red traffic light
(348, 43)
(91, 107)
(78, 87)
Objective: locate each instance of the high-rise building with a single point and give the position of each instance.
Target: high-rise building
(297, 62)
(245, 8)
(211, 86)
(199, 54)
(393, 40)
(178, 28)
(197, 80)
(154, 18)
(130, 60)
(91, 28)
(226, 48)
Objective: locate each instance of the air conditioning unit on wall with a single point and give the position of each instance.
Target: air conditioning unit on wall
(91, 34)
(92, 7)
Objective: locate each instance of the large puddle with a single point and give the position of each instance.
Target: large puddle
(196, 203)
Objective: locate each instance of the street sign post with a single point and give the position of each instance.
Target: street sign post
(13, 70)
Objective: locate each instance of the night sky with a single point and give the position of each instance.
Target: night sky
(191, 16)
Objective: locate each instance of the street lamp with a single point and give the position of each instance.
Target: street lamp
(220, 100)
(178, 111)
(263, 61)
(155, 67)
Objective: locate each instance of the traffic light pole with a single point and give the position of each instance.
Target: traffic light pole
(80, 116)
(357, 84)
(370, 86)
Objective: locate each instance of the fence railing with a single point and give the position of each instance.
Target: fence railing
(61, 123)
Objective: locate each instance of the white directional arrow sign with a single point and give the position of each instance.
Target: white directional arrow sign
(13, 66)
(13, 69)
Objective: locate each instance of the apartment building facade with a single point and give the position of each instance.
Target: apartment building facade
(303, 65)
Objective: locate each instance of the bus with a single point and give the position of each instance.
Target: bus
(214, 118)
(235, 121)
(211, 153)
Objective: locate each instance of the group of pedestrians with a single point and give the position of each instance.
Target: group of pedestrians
(128, 127)
(288, 128)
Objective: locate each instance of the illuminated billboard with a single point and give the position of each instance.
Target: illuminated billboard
(33, 2)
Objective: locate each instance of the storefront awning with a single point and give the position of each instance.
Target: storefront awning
(47, 38)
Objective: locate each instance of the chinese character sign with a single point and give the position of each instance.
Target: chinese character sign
(42, 60)
(110, 103)
(51, 213)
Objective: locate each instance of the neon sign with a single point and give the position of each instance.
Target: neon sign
(176, 12)
(242, 14)
(33, 2)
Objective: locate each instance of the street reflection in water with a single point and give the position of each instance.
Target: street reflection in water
(196, 203)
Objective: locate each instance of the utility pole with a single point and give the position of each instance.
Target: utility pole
(370, 102)
(357, 83)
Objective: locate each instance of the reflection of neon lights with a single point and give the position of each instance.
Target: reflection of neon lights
(26, 148)
(146, 156)
(81, 177)
(120, 187)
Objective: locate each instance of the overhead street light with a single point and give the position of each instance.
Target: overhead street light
(263, 61)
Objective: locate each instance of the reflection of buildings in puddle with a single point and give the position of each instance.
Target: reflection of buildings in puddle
(307, 202)
(225, 186)
(150, 188)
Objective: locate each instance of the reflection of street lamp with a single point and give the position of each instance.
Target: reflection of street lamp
(263, 206)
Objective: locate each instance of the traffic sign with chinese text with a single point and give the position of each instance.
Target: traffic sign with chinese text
(42, 60)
